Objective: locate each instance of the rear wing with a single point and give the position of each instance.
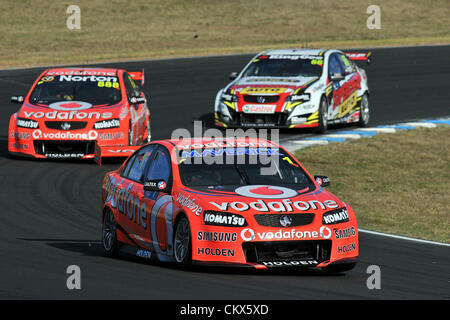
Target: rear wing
(138, 76)
(359, 56)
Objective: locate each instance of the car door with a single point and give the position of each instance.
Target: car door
(351, 86)
(345, 87)
(138, 111)
(131, 203)
(336, 74)
(160, 211)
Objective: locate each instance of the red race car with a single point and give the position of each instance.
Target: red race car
(79, 113)
(229, 202)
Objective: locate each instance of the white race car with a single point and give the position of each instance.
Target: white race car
(296, 88)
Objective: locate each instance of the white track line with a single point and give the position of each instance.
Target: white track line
(345, 136)
(382, 130)
(310, 142)
(420, 124)
(404, 238)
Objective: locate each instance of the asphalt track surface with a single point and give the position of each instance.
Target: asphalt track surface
(49, 210)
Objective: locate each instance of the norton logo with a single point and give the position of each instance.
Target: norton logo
(70, 105)
(265, 192)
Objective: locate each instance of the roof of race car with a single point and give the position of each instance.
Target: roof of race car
(80, 71)
(201, 143)
(294, 51)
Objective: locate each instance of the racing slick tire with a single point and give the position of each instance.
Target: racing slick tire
(364, 111)
(323, 116)
(338, 268)
(182, 244)
(109, 234)
(148, 136)
(130, 135)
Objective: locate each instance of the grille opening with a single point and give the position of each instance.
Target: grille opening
(284, 251)
(66, 125)
(260, 99)
(44, 147)
(261, 119)
(273, 220)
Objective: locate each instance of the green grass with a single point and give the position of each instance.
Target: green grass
(34, 32)
(396, 183)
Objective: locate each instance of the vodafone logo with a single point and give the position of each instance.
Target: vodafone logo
(91, 135)
(247, 234)
(265, 192)
(70, 105)
(325, 232)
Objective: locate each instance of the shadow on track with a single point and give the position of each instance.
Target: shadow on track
(93, 248)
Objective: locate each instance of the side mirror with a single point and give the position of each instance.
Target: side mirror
(137, 100)
(337, 77)
(156, 185)
(323, 181)
(17, 99)
(232, 75)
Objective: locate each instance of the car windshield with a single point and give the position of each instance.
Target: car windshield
(97, 90)
(218, 168)
(285, 66)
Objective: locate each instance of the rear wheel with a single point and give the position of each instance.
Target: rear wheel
(130, 135)
(323, 116)
(109, 234)
(148, 137)
(183, 243)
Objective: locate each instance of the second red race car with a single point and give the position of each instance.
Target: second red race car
(81, 113)
(229, 202)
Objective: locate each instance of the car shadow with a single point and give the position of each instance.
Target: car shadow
(93, 248)
(208, 122)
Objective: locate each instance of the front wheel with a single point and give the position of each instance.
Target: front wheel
(109, 234)
(183, 243)
(323, 116)
(364, 111)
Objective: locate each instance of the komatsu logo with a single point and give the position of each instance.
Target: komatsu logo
(335, 216)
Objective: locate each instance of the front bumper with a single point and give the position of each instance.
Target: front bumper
(298, 247)
(275, 120)
(46, 142)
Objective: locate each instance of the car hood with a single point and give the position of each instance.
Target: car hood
(241, 85)
(71, 110)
